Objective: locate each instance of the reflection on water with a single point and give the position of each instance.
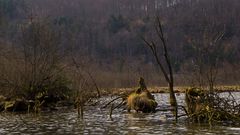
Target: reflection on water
(96, 121)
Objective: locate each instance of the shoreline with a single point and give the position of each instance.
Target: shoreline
(177, 89)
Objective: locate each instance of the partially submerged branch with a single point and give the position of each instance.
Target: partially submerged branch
(111, 101)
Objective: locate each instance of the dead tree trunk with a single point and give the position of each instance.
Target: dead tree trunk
(168, 78)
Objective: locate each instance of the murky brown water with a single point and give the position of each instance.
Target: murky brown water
(96, 121)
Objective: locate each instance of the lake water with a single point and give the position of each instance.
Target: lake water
(96, 121)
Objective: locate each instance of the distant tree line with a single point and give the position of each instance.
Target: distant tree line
(106, 36)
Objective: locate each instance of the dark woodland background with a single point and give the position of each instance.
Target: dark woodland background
(104, 36)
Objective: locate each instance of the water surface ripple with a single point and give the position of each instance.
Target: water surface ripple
(97, 122)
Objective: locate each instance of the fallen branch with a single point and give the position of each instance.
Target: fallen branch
(184, 109)
(111, 102)
(119, 105)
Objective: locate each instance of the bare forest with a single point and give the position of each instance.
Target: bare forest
(105, 37)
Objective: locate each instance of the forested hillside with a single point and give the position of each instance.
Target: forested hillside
(105, 36)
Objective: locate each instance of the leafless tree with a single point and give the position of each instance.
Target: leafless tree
(42, 70)
(168, 73)
(208, 50)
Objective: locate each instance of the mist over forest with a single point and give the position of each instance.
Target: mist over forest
(105, 37)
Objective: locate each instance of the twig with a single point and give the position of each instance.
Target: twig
(111, 110)
(119, 105)
(111, 101)
(184, 108)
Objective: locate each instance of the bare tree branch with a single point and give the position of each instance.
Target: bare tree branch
(169, 79)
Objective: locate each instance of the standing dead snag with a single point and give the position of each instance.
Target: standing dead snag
(168, 78)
